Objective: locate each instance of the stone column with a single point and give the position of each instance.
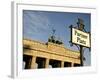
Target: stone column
(47, 63)
(62, 64)
(72, 64)
(33, 64)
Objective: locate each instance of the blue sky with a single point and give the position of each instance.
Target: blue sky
(37, 25)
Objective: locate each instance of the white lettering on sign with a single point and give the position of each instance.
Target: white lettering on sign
(80, 37)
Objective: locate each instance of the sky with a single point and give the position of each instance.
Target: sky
(38, 25)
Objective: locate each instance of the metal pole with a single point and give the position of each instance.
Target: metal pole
(81, 55)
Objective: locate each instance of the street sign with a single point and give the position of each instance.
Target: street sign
(81, 38)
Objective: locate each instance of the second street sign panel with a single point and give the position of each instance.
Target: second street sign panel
(80, 37)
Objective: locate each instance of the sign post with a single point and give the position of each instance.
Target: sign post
(81, 55)
(80, 37)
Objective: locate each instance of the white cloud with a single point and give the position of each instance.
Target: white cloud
(36, 22)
